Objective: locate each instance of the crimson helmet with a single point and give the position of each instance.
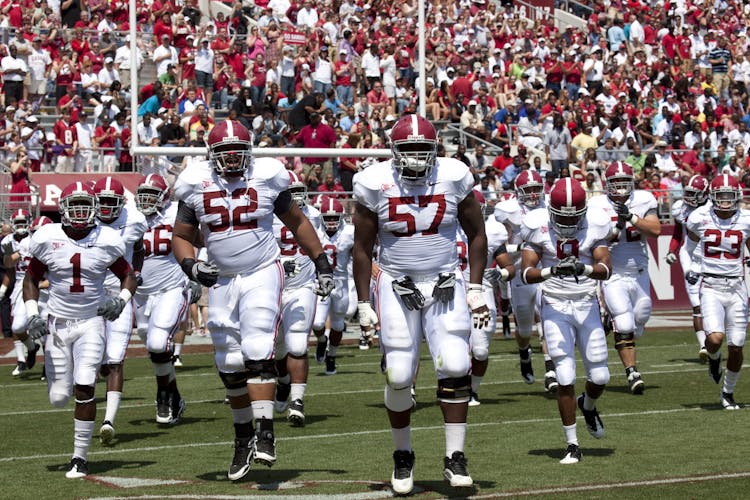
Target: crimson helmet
(725, 193)
(152, 194)
(298, 189)
(230, 148)
(39, 222)
(414, 145)
(567, 207)
(618, 180)
(332, 211)
(318, 200)
(529, 188)
(695, 191)
(110, 198)
(20, 221)
(78, 206)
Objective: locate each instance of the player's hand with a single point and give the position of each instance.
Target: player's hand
(623, 215)
(367, 317)
(410, 295)
(36, 327)
(671, 258)
(480, 313)
(291, 267)
(445, 288)
(195, 290)
(325, 284)
(111, 308)
(692, 277)
(204, 273)
(492, 275)
(569, 266)
(138, 277)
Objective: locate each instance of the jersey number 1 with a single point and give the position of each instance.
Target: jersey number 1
(76, 287)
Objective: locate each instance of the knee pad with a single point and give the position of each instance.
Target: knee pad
(599, 374)
(261, 370)
(160, 357)
(454, 390)
(624, 340)
(337, 323)
(480, 353)
(565, 370)
(624, 322)
(84, 394)
(642, 312)
(399, 373)
(234, 380)
(58, 399)
(397, 399)
(296, 343)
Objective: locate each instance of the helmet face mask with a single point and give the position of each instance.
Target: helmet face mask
(414, 147)
(230, 148)
(725, 193)
(151, 194)
(529, 188)
(332, 222)
(110, 198)
(332, 211)
(20, 222)
(619, 181)
(566, 226)
(297, 189)
(567, 208)
(695, 192)
(77, 206)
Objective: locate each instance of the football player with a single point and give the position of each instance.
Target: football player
(499, 269)
(721, 230)
(571, 244)
(76, 257)
(695, 194)
(111, 211)
(413, 205)
(298, 302)
(16, 256)
(231, 199)
(627, 294)
(524, 298)
(162, 299)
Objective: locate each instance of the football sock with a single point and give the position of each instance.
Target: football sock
(549, 365)
(475, 381)
(262, 409)
(455, 434)
(701, 336)
(243, 418)
(589, 403)
(177, 349)
(571, 437)
(20, 353)
(730, 380)
(284, 380)
(82, 432)
(113, 404)
(332, 350)
(714, 355)
(297, 392)
(525, 354)
(401, 438)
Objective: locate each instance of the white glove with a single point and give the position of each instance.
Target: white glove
(480, 313)
(367, 317)
(671, 258)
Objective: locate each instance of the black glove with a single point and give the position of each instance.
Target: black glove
(409, 293)
(196, 290)
(324, 274)
(204, 273)
(291, 267)
(444, 288)
(36, 327)
(569, 266)
(138, 278)
(623, 215)
(111, 308)
(692, 277)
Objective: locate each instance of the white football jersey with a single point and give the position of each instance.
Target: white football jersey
(131, 225)
(76, 269)
(11, 245)
(722, 241)
(537, 232)
(235, 214)
(339, 250)
(630, 251)
(290, 249)
(510, 213)
(160, 268)
(496, 235)
(416, 221)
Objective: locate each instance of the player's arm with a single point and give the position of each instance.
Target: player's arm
(691, 242)
(648, 225)
(529, 271)
(36, 326)
(504, 263)
(365, 231)
(601, 269)
(472, 222)
(185, 237)
(139, 252)
(675, 243)
(125, 272)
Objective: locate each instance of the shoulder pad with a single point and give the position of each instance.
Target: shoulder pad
(535, 219)
(677, 209)
(194, 174)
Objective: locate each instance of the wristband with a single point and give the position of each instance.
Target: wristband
(546, 273)
(633, 219)
(3, 289)
(125, 295)
(523, 276)
(587, 270)
(32, 308)
(504, 274)
(511, 248)
(322, 266)
(363, 302)
(474, 287)
(187, 266)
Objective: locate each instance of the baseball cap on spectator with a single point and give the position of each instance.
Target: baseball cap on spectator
(495, 75)
(661, 144)
(190, 36)
(36, 39)
(161, 110)
(472, 103)
(362, 114)
(127, 38)
(165, 37)
(390, 118)
(460, 48)
(306, 67)
(450, 70)
(622, 94)
(507, 45)
(583, 91)
(528, 101)
(10, 108)
(108, 60)
(354, 19)
(343, 51)
(32, 119)
(595, 49)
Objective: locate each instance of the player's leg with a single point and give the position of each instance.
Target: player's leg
(619, 299)
(179, 336)
(479, 343)
(592, 345)
(297, 318)
(447, 328)
(319, 328)
(400, 334)
(505, 294)
(736, 328)
(26, 349)
(523, 299)
(339, 304)
(118, 336)
(714, 317)
(692, 290)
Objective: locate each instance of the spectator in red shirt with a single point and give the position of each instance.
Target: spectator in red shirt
(348, 166)
(104, 138)
(330, 187)
(66, 137)
(316, 135)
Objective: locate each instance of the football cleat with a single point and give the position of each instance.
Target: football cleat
(474, 399)
(365, 341)
(296, 416)
(455, 470)
(281, 400)
(572, 455)
(402, 479)
(243, 457)
(527, 370)
(727, 401)
(163, 407)
(550, 381)
(19, 369)
(330, 365)
(320, 349)
(593, 422)
(635, 383)
(506, 326)
(77, 468)
(106, 432)
(714, 369)
(264, 448)
(176, 361)
(31, 357)
(703, 355)
(177, 408)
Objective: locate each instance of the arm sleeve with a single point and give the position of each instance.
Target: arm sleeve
(120, 268)
(37, 269)
(283, 202)
(186, 214)
(677, 237)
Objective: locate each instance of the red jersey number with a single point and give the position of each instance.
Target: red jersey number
(567, 248)
(247, 205)
(162, 240)
(712, 245)
(415, 223)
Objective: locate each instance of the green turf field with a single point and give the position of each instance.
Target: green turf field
(675, 441)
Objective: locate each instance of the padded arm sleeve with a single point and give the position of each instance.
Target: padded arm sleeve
(186, 214)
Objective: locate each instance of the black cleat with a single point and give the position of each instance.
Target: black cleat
(31, 357)
(593, 422)
(635, 383)
(727, 401)
(455, 470)
(474, 399)
(264, 447)
(77, 468)
(506, 326)
(402, 479)
(320, 349)
(19, 369)
(296, 416)
(365, 341)
(163, 407)
(330, 365)
(243, 456)
(572, 455)
(178, 408)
